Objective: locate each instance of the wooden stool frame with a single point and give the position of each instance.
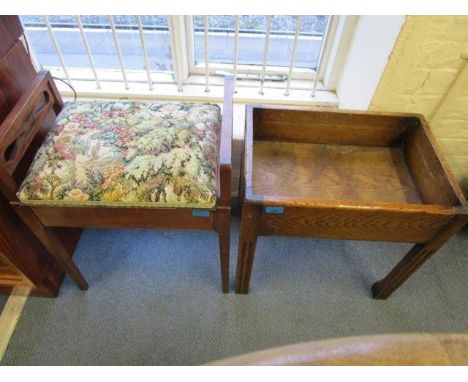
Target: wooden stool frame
(23, 131)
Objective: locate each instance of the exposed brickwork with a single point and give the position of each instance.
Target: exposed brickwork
(423, 65)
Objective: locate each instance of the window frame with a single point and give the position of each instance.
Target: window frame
(297, 74)
(184, 82)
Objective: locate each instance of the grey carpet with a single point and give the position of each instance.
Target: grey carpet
(154, 299)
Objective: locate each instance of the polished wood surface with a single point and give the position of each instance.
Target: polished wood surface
(222, 225)
(122, 217)
(10, 30)
(439, 349)
(249, 231)
(29, 119)
(16, 73)
(432, 177)
(351, 223)
(24, 260)
(323, 126)
(10, 276)
(346, 175)
(49, 239)
(332, 172)
(25, 120)
(416, 257)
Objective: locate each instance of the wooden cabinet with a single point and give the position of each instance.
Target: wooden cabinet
(16, 69)
(23, 259)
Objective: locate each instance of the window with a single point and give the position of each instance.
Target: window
(251, 40)
(116, 54)
(74, 37)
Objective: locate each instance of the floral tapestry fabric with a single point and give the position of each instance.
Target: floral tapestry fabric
(128, 153)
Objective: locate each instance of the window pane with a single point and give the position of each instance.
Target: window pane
(99, 35)
(252, 30)
(310, 41)
(158, 42)
(39, 39)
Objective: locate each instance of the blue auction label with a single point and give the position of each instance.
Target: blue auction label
(201, 213)
(274, 210)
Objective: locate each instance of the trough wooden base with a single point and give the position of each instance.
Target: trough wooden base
(346, 175)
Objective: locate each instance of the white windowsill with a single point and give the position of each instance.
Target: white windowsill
(196, 93)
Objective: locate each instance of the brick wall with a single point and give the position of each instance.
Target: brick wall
(427, 74)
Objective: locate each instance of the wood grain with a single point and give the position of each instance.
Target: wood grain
(246, 249)
(223, 227)
(346, 175)
(431, 175)
(49, 239)
(25, 120)
(416, 257)
(10, 30)
(332, 172)
(16, 73)
(9, 275)
(328, 127)
(353, 224)
(421, 349)
(123, 217)
(26, 258)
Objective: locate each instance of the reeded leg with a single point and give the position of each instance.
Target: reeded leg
(416, 257)
(224, 244)
(246, 248)
(245, 256)
(53, 244)
(224, 233)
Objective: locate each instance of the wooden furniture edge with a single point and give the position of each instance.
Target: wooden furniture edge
(386, 349)
(408, 265)
(250, 196)
(218, 220)
(441, 157)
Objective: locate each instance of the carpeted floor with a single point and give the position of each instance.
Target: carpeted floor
(154, 299)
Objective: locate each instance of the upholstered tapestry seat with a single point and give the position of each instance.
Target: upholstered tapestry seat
(128, 153)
